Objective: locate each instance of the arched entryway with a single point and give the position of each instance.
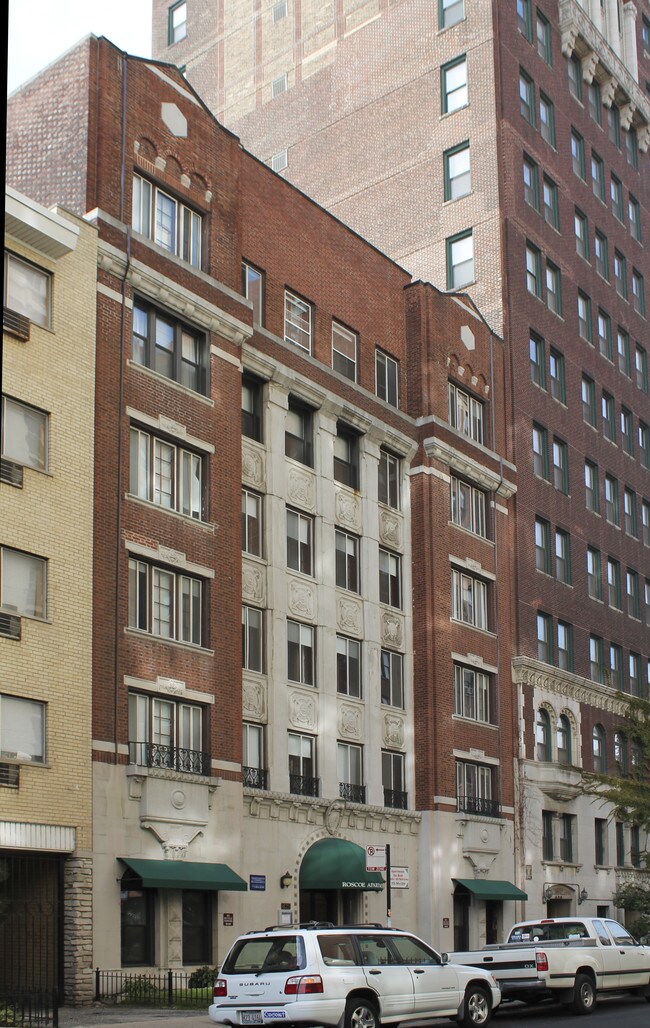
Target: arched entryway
(333, 879)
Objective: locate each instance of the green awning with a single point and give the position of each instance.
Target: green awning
(185, 874)
(492, 890)
(337, 864)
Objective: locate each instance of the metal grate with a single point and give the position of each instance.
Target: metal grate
(9, 626)
(15, 324)
(10, 775)
(11, 473)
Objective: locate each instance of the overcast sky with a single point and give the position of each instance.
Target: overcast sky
(42, 30)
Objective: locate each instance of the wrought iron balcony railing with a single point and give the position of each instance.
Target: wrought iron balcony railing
(301, 786)
(479, 805)
(395, 798)
(354, 793)
(254, 777)
(175, 758)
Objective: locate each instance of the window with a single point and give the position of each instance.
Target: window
(632, 593)
(526, 97)
(177, 25)
(641, 368)
(605, 335)
(542, 546)
(167, 221)
(392, 679)
(28, 290)
(472, 694)
(629, 512)
(347, 561)
(608, 412)
(468, 507)
(474, 789)
(599, 749)
(469, 599)
(575, 77)
(566, 824)
(344, 351)
(592, 487)
(594, 579)
(600, 841)
(595, 102)
(644, 444)
(623, 350)
(561, 465)
(387, 378)
(525, 19)
(620, 844)
(616, 194)
(553, 288)
(557, 376)
(634, 217)
(543, 744)
(578, 162)
(645, 32)
(457, 172)
(393, 779)
(646, 599)
(165, 603)
(348, 666)
(166, 733)
(302, 765)
(614, 583)
(297, 321)
(389, 477)
(547, 835)
(562, 556)
(564, 646)
(165, 474)
(254, 774)
(632, 148)
(252, 626)
(279, 161)
(24, 434)
(588, 401)
(390, 578)
(22, 729)
(634, 674)
(197, 927)
(544, 637)
(450, 12)
(530, 173)
(540, 452)
(300, 542)
(581, 228)
(596, 659)
(460, 260)
(251, 407)
(645, 522)
(638, 292)
(635, 846)
(584, 316)
(349, 767)
(537, 360)
(23, 583)
(346, 456)
(298, 432)
(136, 925)
(253, 290)
(543, 34)
(597, 176)
(620, 274)
(533, 270)
(614, 126)
(251, 523)
(279, 11)
(465, 413)
(627, 433)
(300, 653)
(169, 347)
(611, 500)
(601, 256)
(279, 85)
(550, 206)
(453, 78)
(546, 119)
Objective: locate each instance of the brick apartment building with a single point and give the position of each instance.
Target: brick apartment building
(46, 533)
(290, 430)
(501, 148)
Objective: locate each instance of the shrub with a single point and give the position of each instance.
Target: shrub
(203, 977)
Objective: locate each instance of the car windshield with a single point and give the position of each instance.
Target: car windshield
(268, 954)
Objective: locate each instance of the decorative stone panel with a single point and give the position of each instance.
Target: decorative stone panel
(253, 466)
(301, 600)
(393, 731)
(303, 711)
(254, 699)
(347, 510)
(253, 582)
(390, 529)
(392, 629)
(351, 721)
(349, 615)
(301, 488)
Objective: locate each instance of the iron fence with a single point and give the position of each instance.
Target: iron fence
(29, 1009)
(189, 990)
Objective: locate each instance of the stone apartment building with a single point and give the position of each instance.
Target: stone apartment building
(500, 148)
(46, 547)
(290, 431)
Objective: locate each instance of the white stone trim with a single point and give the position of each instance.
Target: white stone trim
(168, 687)
(170, 427)
(476, 756)
(437, 449)
(166, 555)
(474, 566)
(113, 294)
(474, 660)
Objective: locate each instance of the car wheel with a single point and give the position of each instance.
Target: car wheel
(477, 1007)
(584, 995)
(361, 1013)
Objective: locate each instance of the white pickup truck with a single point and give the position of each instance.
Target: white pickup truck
(570, 959)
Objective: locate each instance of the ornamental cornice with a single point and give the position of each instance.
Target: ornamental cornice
(526, 671)
(447, 454)
(334, 815)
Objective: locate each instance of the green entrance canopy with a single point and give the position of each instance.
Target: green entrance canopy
(184, 874)
(337, 864)
(492, 890)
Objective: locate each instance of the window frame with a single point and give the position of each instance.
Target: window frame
(27, 310)
(444, 6)
(391, 676)
(465, 413)
(470, 599)
(477, 506)
(148, 480)
(348, 681)
(301, 653)
(299, 447)
(253, 651)
(390, 578)
(154, 352)
(152, 207)
(453, 265)
(38, 569)
(346, 456)
(387, 377)
(527, 98)
(253, 288)
(473, 694)
(346, 365)
(173, 29)
(449, 191)
(41, 419)
(35, 712)
(446, 93)
(300, 543)
(304, 331)
(145, 580)
(389, 479)
(347, 562)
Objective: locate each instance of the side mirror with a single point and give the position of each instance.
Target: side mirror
(444, 957)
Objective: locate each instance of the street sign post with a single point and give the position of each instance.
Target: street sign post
(378, 859)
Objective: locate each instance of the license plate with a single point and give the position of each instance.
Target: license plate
(251, 1017)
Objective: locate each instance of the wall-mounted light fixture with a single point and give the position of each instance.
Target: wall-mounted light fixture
(582, 895)
(286, 880)
(547, 894)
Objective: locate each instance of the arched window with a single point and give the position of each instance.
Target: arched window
(543, 735)
(599, 743)
(620, 752)
(563, 739)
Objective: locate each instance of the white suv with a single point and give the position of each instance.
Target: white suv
(351, 977)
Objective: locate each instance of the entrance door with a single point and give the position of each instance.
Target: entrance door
(340, 906)
(461, 921)
(492, 911)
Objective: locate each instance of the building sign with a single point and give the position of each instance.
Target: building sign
(399, 877)
(228, 920)
(375, 859)
(257, 883)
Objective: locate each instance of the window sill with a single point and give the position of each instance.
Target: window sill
(185, 518)
(449, 114)
(28, 617)
(176, 643)
(474, 721)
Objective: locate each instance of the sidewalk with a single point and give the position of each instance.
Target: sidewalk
(98, 1014)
